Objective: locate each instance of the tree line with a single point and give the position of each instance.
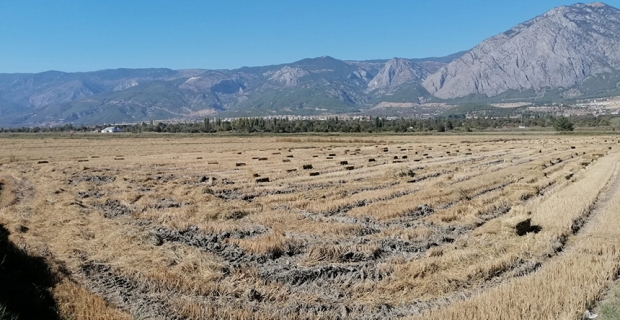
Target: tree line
(335, 124)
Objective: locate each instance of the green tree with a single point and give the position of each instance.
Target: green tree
(563, 124)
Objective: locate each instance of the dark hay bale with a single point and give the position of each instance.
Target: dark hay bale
(82, 160)
(372, 160)
(261, 180)
(286, 160)
(289, 156)
(342, 163)
(255, 175)
(291, 170)
(262, 159)
(332, 154)
(239, 164)
(313, 174)
(349, 168)
(199, 158)
(403, 157)
(329, 158)
(42, 161)
(307, 166)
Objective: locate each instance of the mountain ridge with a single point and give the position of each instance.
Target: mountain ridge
(569, 52)
(558, 49)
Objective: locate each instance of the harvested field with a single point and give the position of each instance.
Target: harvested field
(459, 227)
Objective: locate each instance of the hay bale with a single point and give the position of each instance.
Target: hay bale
(349, 168)
(276, 153)
(286, 160)
(344, 163)
(330, 158)
(291, 170)
(307, 166)
(42, 162)
(404, 157)
(255, 175)
(261, 180)
(198, 158)
(119, 158)
(372, 160)
(239, 164)
(521, 225)
(332, 154)
(314, 174)
(289, 156)
(262, 159)
(82, 160)
(212, 162)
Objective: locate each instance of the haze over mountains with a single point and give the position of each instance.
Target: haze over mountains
(570, 52)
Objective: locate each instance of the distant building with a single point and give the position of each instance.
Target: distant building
(111, 130)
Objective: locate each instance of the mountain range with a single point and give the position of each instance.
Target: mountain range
(570, 52)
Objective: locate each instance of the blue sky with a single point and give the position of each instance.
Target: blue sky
(85, 35)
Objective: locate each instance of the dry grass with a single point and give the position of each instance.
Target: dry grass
(165, 233)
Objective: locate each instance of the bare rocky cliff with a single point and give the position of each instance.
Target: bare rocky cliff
(558, 49)
(397, 72)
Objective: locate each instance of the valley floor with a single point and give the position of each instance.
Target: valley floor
(308, 227)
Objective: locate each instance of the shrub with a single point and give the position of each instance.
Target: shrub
(563, 124)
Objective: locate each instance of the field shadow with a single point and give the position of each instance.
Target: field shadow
(24, 283)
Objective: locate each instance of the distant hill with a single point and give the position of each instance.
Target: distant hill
(570, 52)
(322, 85)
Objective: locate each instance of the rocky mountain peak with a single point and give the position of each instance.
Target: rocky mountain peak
(597, 4)
(397, 72)
(558, 49)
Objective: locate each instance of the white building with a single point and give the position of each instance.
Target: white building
(110, 130)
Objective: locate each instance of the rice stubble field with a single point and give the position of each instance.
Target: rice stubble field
(412, 227)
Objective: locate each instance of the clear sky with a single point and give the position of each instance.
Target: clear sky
(86, 35)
